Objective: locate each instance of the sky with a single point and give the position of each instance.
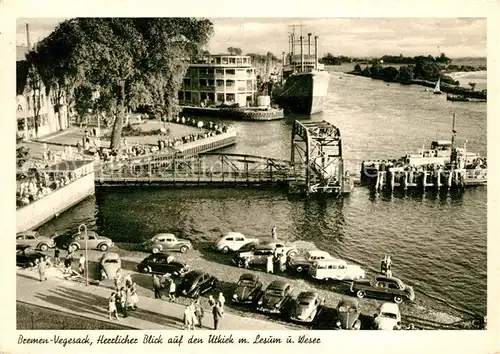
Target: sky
(361, 37)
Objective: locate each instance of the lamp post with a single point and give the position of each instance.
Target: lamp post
(86, 253)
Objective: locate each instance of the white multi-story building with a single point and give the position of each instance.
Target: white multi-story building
(220, 78)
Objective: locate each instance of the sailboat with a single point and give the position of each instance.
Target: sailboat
(437, 89)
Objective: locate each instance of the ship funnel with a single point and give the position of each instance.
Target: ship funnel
(309, 43)
(316, 52)
(28, 36)
(301, 53)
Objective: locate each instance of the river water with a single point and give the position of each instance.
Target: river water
(437, 242)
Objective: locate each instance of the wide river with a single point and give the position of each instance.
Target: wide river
(438, 243)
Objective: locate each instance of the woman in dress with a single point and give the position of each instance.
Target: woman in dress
(133, 296)
(112, 306)
(188, 318)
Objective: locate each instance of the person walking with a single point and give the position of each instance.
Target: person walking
(81, 264)
(282, 260)
(56, 257)
(389, 266)
(41, 270)
(218, 314)
(156, 286)
(270, 264)
(134, 298)
(112, 306)
(123, 301)
(211, 301)
(274, 233)
(171, 291)
(221, 300)
(71, 251)
(188, 318)
(383, 265)
(198, 311)
(128, 280)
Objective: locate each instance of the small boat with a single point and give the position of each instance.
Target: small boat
(437, 89)
(457, 98)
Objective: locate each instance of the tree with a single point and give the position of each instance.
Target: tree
(405, 74)
(130, 61)
(472, 85)
(234, 51)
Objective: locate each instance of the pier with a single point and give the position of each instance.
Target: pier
(244, 113)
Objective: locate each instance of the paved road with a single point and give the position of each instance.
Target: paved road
(75, 298)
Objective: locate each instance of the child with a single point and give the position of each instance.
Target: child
(112, 306)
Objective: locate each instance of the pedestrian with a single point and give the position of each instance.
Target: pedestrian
(70, 253)
(67, 265)
(81, 264)
(118, 281)
(218, 314)
(222, 300)
(198, 311)
(383, 265)
(389, 266)
(282, 260)
(133, 296)
(211, 301)
(171, 292)
(112, 306)
(188, 318)
(156, 286)
(41, 270)
(274, 234)
(123, 301)
(56, 256)
(270, 265)
(128, 280)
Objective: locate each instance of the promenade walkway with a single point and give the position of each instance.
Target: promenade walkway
(92, 302)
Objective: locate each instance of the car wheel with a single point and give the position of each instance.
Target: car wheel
(292, 254)
(104, 247)
(398, 299)
(361, 294)
(225, 249)
(74, 246)
(145, 269)
(155, 250)
(184, 249)
(299, 269)
(44, 247)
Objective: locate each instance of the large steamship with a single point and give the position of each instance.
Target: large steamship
(305, 79)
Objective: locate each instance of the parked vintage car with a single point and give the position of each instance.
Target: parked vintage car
(305, 261)
(233, 241)
(34, 240)
(257, 257)
(26, 255)
(276, 296)
(162, 263)
(289, 250)
(94, 241)
(307, 306)
(167, 242)
(387, 317)
(383, 287)
(247, 247)
(348, 314)
(196, 283)
(110, 264)
(334, 268)
(248, 289)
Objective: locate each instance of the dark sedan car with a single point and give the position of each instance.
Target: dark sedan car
(25, 256)
(348, 314)
(307, 306)
(383, 287)
(162, 263)
(275, 297)
(196, 283)
(248, 289)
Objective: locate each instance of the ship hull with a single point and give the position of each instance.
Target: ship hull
(306, 93)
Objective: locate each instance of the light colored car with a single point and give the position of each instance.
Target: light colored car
(388, 316)
(276, 244)
(306, 307)
(337, 269)
(303, 262)
(94, 241)
(167, 242)
(110, 264)
(232, 241)
(34, 240)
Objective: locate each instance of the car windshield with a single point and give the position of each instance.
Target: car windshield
(274, 292)
(305, 303)
(245, 282)
(347, 309)
(111, 261)
(389, 315)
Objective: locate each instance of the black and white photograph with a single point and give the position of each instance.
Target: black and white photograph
(230, 174)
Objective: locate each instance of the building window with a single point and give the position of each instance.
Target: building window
(230, 72)
(219, 71)
(220, 83)
(187, 82)
(187, 96)
(203, 82)
(245, 60)
(220, 97)
(203, 96)
(217, 60)
(180, 95)
(210, 82)
(232, 60)
(239, 61)
(229, 83)
(230, 97)
(20, 125)
(224, 60)
(249, 85)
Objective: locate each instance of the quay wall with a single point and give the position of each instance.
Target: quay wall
(42, 210)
